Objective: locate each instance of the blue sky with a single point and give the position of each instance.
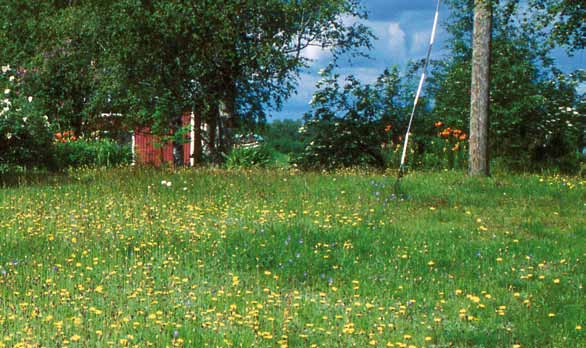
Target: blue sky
(402, 28)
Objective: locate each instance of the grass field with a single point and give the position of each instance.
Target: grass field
(282, 259)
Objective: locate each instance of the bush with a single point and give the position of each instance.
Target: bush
(283, 136)
(92, 153)
(355, 124)
(249, 156)
(25, 134)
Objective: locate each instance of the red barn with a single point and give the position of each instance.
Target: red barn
(148, 149)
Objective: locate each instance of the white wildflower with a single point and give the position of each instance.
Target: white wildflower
(24, 119)
(30, 99)
(9, 136)
(11, 78)
(7, 91)
(5, 68)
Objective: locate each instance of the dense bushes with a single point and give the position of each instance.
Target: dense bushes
(356, 124)
(284, 136)
(258, 155)
(92, 153)
(25, 134)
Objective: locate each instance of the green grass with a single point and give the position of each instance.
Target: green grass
(283, 259)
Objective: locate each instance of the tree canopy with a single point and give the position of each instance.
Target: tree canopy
(155, 59)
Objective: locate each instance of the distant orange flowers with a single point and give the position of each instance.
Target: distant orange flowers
(456, 133)
(388, 128)
(65, 137)
(448, 132)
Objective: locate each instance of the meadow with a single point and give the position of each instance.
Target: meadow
(277, 258)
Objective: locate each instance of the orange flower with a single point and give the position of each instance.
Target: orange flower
(445, 133)
(388, 128)
(438, 124)
(65, 136)
(456, 147)
(462, 137)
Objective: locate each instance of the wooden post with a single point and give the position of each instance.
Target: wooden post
(480, 89)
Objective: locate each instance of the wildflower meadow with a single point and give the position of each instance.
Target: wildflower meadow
(277, 258)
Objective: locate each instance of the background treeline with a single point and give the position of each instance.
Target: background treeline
(538, 117)
(99, 69)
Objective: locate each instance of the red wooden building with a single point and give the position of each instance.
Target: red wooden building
(148, 149)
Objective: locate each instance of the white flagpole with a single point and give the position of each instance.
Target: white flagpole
(420, 87)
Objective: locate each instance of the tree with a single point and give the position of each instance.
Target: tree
(227, 61)
(526, 92)
(356, 124)
(479, 108)
(563, 22)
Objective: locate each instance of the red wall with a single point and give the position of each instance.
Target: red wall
(149, 150)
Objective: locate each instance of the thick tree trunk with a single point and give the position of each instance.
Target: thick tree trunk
(212, 132)
(197, 148)
(480, 89)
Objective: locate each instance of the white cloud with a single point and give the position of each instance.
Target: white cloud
(315, 53)
(419, 42)
(396, 38)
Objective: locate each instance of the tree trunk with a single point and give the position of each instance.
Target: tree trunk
(480, 89)
(177, 144)
(197, 149)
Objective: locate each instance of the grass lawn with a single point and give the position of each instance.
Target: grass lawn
(282, 259)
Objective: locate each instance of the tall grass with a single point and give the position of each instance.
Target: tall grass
(276, 258)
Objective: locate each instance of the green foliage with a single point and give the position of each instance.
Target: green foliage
(534, 118)
(92, 153)
(284, 136)
(250, 156)
(562, 22)
(25, 135)
(228, 61)
(356, 124)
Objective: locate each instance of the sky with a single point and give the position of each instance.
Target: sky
(403, 29)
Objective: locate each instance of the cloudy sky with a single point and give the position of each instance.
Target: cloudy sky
(403, 28)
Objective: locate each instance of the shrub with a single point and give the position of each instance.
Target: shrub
(355, 124)
(92, 153)
(283, 136)
(25, 134)
(249, 156)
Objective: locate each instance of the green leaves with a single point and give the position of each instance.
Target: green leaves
(526, 89)
(151, 61)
